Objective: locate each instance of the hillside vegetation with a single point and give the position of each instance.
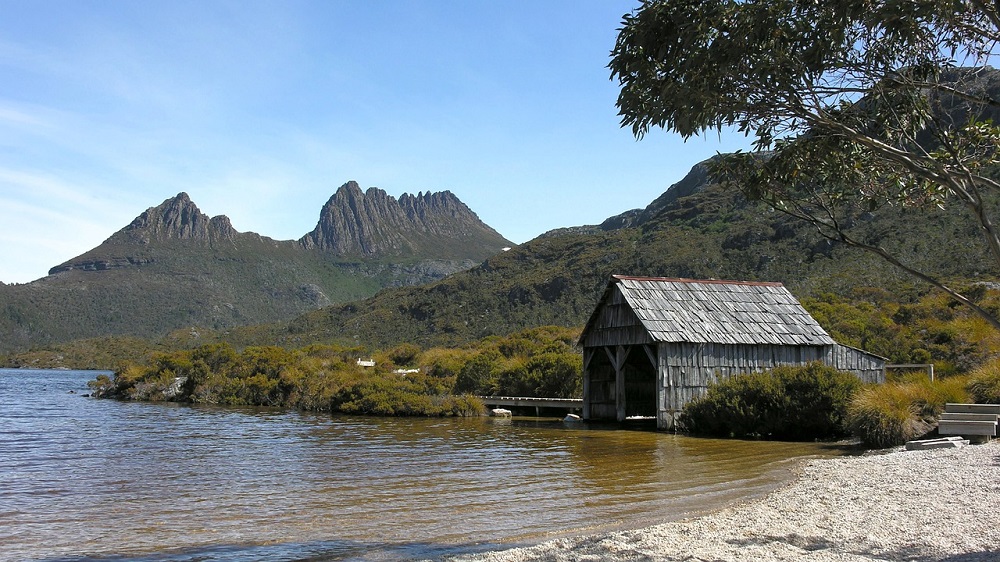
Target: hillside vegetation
(707, 233)
(696, 229)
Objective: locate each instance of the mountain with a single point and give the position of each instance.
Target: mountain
(374, 224)
(173, 266)
(696, 229)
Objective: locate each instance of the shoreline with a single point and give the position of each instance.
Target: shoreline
(899, 505)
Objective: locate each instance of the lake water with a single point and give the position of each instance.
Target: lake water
(85, 479)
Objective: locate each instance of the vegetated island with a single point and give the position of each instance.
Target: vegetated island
(402, 381)
(904, 505)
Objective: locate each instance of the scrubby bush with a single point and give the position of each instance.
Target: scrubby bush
(404, 354)
(534, 362)
(392, 395)
(463, 405)
(942, 391)
(479, 374)
(891, 414)
(556, 375)
(384, 397)
(100, 386)
(443, 363)
(792, 403)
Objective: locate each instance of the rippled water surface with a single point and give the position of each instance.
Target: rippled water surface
(86, 478)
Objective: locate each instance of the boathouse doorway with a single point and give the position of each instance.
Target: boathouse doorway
(620, 382)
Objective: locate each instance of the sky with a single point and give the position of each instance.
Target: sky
(260, 110)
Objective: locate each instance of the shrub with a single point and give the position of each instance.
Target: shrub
(793, 403)
(479, 374)
(556, 374)
(943, 391)
(463, 405)
(326, 377)
(513, 379)
(395, 396)
(100, 386)
(443, 363)
(404, 354)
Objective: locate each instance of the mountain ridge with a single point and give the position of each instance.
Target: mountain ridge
(696, 179)
(696, 229)
(352, 223)
(373, 223)
(173, 266)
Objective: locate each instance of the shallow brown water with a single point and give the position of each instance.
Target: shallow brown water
(92, 479)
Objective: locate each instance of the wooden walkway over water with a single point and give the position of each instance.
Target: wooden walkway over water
(537, 403)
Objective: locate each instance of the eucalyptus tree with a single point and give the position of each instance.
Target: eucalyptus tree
(853, 105)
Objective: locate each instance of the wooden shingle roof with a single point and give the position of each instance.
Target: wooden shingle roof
(723, 312)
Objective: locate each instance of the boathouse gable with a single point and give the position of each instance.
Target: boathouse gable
(654, 344)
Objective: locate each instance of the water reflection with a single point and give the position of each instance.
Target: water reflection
(83, 477)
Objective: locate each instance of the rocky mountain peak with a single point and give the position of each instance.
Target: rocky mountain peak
(373, 223)
(177, 218)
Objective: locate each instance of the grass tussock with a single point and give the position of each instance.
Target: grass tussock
(891, 414)
(984, 383)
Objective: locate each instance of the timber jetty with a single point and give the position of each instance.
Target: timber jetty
(570, 404)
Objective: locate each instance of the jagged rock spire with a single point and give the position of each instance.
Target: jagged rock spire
(373, 223)
(177, 218)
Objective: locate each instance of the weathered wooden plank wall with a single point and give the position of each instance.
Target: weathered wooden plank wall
(687, 369)
(616, 324)
(869, 368)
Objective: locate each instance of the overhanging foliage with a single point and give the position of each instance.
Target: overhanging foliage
(854, 106)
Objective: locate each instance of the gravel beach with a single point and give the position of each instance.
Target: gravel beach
(941, 504)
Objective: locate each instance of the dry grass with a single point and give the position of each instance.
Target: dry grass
(893, 413)
(984, 383)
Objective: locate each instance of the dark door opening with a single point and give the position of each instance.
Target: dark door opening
(640, 385)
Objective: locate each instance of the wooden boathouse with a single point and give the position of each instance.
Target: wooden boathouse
(653, 344)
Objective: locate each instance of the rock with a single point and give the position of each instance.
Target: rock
(177, 218)
(373, 223)
(181, 219)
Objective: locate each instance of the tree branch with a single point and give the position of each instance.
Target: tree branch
(843, 237)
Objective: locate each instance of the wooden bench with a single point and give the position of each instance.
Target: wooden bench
(969, 420)
(953, 408)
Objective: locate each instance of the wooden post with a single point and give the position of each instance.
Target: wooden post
(588, 356)
(618, 358)
(619, 389)
(652, 353)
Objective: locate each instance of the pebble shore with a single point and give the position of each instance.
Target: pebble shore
(920, 506)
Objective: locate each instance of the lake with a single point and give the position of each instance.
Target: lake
(88, 479)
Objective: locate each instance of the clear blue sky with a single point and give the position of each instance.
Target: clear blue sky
(260, 110)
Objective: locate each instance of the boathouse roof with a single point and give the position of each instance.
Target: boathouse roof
(705, 311)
